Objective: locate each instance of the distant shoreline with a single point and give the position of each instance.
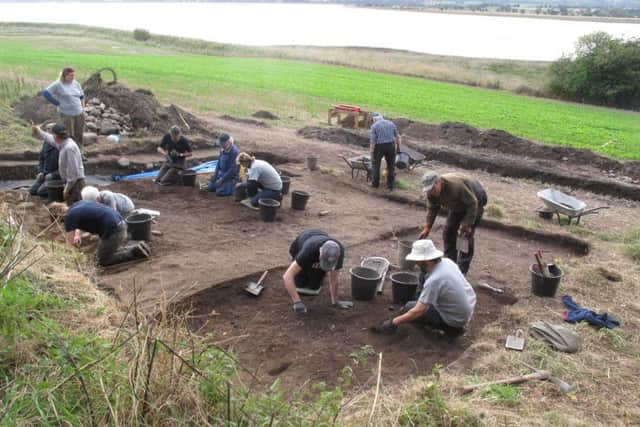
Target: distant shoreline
(606, 19)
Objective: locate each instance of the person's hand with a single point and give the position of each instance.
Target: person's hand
(35, 130)
(424, 233)
(299, 307)
(387, 327)
(174, 154)
(40, 177)
(466, 230)
(66, 193)
(77, 239)
(218, 183)
(343, 305)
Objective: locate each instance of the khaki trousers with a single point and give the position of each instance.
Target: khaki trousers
(75, 127)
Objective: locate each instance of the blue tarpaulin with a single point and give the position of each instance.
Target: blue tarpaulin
(206, 167)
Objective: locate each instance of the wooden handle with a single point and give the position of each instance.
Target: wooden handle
(262, 277)
(541, 375)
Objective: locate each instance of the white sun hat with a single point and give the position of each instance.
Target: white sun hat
(423, 250)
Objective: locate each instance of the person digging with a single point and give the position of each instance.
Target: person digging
(263, 181)
(446, 301)
(95, 218)
(314, 255)
(47, 169)
(465, 198)
(175, 148)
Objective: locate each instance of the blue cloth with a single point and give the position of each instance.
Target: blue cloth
(206, 167)
(92, 217)
(383, 132)
(48, 159)
(226, 173)
(575, 313)
(47, 95)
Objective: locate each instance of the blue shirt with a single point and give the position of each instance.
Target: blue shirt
(383, 132)
(92, 217)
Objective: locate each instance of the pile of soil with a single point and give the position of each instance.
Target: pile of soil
(264, 115)
(244, 121)
(336, 135)
(141, 106)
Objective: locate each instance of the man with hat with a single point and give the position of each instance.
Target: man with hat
(70, 166)
(446, 301)
(314, 255)
(225, 176)
(175, 148)
(384, 142)
(465, 200)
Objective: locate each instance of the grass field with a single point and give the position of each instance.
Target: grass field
(303, 91)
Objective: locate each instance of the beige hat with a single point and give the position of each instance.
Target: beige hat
(429, 180)
(423, 250)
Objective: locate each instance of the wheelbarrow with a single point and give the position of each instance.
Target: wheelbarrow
(359, 163)
(408, 158)
(559, 203)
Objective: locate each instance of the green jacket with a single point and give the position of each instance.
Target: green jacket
(457, 196)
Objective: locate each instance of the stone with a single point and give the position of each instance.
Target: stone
(89, 138)
(91, 126)
(148, 166)
(124, 162)
(108, 126)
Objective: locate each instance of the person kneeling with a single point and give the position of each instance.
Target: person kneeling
(263, 180)
(446, 301)
(96, 218)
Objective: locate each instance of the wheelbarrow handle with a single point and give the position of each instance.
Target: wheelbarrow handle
(593, 211)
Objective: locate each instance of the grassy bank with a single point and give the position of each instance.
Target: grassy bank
(302, 91)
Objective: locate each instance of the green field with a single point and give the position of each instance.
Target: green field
(302, 91)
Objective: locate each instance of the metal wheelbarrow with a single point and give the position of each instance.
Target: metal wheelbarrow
(359, 163)
(559, 203)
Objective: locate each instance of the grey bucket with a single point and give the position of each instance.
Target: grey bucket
(404, 249)
(312, 163)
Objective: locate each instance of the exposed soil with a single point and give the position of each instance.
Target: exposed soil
(262, 114)
(244, 121)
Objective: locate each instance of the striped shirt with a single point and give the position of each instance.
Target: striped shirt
(383, 132)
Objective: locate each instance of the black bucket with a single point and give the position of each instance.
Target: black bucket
(364, 282)
(299, 200)
(268, 209)
(403, 288)
(55, 191)
(189, 178)
(240, 193)
(545, 286)
(402, 160)
(139, 225)
(286, 183)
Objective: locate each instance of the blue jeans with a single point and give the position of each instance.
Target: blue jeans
(432, 319)
(260, 193)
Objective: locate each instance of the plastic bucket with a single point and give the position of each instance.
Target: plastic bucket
(402, 160)
(545, 286)
(379, 264)
(286, 183)
(240, 193)
(55, 191)
(312, 163)
(404, 249)
(364, 281)
(403, 287)
(139, 225)
(268, 209)
(189, 178)
(299, 200)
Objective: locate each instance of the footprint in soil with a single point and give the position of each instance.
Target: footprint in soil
(279, 369)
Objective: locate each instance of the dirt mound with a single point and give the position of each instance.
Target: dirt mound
(336, 135)
(264, 115)
(145, 112)
(504, 142)
(244, 121)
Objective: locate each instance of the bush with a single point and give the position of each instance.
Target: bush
(603, 70)
(141, 35)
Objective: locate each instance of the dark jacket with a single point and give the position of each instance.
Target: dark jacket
(48, 159)
(227, 170)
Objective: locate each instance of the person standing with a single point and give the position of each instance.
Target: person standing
(384, 142)
(95, 218)
(465, 200)
(447, 300)
(225, 176)
(263, 181)
(175, 148)
(118, 201)
(314, 255)
(47, 170)
(70, 166)
(68, 97)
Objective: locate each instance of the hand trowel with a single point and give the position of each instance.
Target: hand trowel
(515, 342)
(255, 288)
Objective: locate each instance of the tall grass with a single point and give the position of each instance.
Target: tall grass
(14, 133)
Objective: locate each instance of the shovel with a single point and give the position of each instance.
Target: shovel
(515, 342)
(255, 288)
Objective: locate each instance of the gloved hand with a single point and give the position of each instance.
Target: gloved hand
(40, 177)
(387, 327)
(299, 307)
(344, 305)
(466, 230)
(424, 233)
(174, 154)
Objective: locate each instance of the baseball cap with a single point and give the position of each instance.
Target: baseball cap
(329, 255)
(429, 180)
(223, 138)
(376, 116)
(59, 130)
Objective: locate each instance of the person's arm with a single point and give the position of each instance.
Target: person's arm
(471, 208)
(418, 310)
(41, 159)
(49, 97)
(333, 286)
(162, 149)
(432, 211)
(398, 140)
(289, 281)
(73, 237)
(108, 199)
(72, 173)
(230, 173)
(187, 153)
(372, 141)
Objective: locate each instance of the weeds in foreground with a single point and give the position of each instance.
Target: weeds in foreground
(15, 133)
(494, 210)
(404, 185)
(632, 243)
(503, 394)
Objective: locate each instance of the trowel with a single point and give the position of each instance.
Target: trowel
(515, 342)
(255, 288)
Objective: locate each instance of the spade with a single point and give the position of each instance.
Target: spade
(255, 288)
